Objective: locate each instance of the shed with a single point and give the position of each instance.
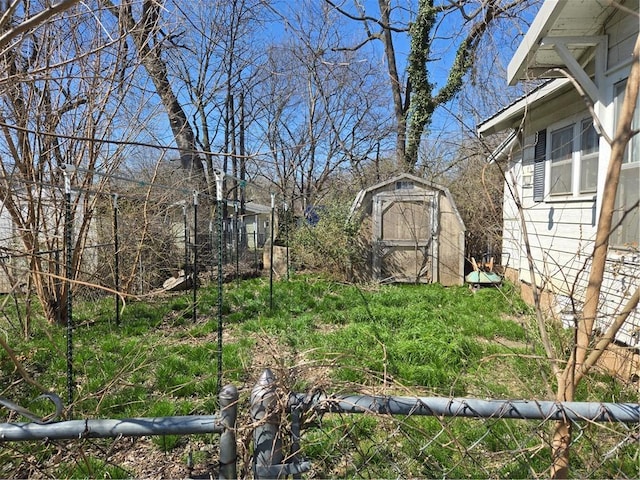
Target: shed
(414, 230)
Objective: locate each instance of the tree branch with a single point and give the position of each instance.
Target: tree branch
(35, 20)
(608, 337)
(366, 18)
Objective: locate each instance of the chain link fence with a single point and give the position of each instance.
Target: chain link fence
(282, 434)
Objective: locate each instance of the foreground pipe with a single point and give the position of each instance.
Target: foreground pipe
(228, 416)
(267, 443)
(128, 427)
(473, 408)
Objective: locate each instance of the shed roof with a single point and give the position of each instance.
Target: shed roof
(357, 203)
(252, 208)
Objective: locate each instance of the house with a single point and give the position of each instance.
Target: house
(414, 232)
(250, 227)
(556, 156)
(44, 234)
(10, 267)
(255, 223)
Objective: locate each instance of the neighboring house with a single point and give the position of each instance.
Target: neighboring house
(415, 232)
(252, 226)
(557, 157)
(15, 259)
(8, 262)
(255, 224)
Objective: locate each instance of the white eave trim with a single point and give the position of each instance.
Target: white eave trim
(516, 110)
(537, 31)
(504, 148)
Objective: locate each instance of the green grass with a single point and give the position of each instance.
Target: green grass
(425, 339)
(421, 335)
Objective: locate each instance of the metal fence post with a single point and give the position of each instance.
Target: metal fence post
(219, 201)
(116, 255)
(266, 441)
(228, 415)
(268, 460)
(273, 210)
(295, 438)
(194, 286)
(186, 242)
(68, 228)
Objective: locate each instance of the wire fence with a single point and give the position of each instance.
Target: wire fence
(290, 434)
(464, 438)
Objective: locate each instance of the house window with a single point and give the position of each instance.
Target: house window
(589, 151)
(626, 218)
(561, 160)
(573, 154)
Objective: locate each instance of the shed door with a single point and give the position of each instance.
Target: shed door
(405, 241)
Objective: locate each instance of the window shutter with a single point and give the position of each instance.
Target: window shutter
(540, 152)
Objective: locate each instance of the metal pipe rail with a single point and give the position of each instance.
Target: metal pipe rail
(223, 423)
(470, 407)
(95, 428)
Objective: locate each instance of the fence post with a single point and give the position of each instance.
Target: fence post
(295, 438)
(228, 415)
(116, 255)
(194, 274)
(219, 201)
(186, 241)
(266, 441)
(68, 228)
(268, 460)
(273, 210)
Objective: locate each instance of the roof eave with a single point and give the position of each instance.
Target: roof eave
(509, 116)
(543, 21)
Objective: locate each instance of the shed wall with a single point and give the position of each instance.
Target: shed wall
(414, 246)
(451, 245)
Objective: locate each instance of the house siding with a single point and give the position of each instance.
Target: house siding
(6, 242)
(561, 230)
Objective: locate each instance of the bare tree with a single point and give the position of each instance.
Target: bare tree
(31, 21)
(55, 109)
(477, 187)
(434, 29)
(324, 114)
(150, 41)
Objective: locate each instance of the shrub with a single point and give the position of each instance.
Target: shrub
(330, 245)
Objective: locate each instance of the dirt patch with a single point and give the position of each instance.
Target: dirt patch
(505, 342)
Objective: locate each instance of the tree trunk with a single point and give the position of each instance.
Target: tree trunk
(560, 450)
(576, 367)
(149, 51)
(396, 87)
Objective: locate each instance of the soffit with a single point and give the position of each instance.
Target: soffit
(573, 22)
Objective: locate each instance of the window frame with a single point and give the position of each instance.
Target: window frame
(563, 159)
(586, 128)
(631, 163)
(405, 185)
(574, 160)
